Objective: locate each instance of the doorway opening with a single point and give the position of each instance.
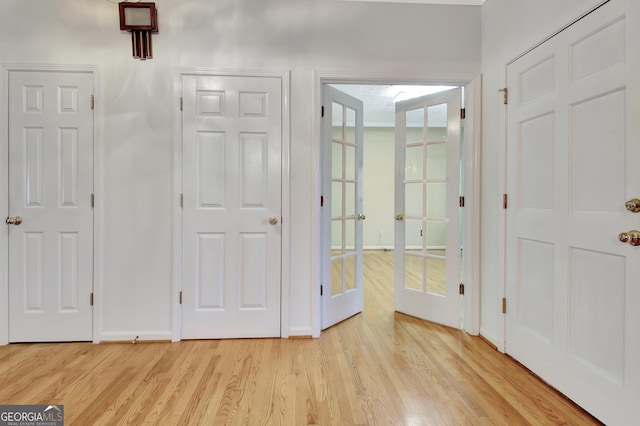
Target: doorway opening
(424, 241)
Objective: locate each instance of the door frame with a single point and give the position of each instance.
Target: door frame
(98, 182)
(285, 274)
(471, 260)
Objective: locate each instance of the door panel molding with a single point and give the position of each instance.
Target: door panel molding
(284, 76)
(5, 70)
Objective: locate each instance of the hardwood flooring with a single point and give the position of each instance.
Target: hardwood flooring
(377, 368)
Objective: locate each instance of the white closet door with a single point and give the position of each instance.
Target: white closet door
(232, 135)
(51, 216)
(573, 150)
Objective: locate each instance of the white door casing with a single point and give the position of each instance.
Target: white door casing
(572, 154)
(51, 149)
(342, 242)
(427, 207)
(231, 264)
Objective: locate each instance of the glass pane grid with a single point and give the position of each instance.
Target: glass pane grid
(350, 125)
(350, 272)
(414, 272)
(337, 276)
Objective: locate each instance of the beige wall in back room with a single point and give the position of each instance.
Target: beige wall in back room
(379, 189)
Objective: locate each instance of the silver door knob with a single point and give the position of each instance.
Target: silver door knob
(13, 220)
(361, 217)
(273, 220)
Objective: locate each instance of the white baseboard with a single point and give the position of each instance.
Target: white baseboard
(386, 248)
(120, 336)
(488, 336)
(300, 332)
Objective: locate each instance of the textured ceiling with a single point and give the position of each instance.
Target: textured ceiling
(378, 100)
(450, 2)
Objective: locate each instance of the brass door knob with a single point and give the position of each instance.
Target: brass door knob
(633, 205)
(631, 237)
(273, 220)
(400, 217)
(361, 217)
(13, 220)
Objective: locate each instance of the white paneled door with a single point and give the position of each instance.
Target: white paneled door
(50, 221)
(572, 264)
(427, 231)
(231, 273)
(342, 249)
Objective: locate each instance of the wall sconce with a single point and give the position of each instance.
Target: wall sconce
(141, 19)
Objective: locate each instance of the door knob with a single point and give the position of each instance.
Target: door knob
(361, 217)
(273, 220)
(13, 220)
(631, 237)
(633, 205)
(399, 216)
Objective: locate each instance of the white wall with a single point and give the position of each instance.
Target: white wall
(302, 36)
(509, 28)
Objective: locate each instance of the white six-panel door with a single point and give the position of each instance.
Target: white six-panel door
(50, 206)
(342, 242)
(427, 184)
(232, 131)
(573, 155)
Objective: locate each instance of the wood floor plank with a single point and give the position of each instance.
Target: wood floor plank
(377, 368)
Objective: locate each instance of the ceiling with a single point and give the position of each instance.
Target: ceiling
(379, 100)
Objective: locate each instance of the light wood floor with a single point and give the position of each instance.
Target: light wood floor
(377, 368)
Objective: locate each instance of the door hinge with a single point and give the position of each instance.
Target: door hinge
(181, 103)
(463, 113)
(93, 102)
(322, 112)
(505, 95)
(180, 296)
(504, 305)
(461, 288)
(321, 290)
(505, 201)
(462, 201)
(322, 201)
(93, 201)
(91, 299)
(181, 200)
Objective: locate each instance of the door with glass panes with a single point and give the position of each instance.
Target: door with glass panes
(342, 207)
(427, 237)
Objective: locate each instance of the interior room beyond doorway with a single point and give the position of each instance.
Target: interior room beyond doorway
(378, 177)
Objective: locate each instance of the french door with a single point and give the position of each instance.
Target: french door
(427, 230)
(232, 141)
(342, 133)
(50, 222)
(572, 257)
